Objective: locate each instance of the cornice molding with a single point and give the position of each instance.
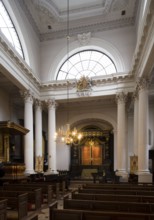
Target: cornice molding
(79, 28)
(57, 85)
(97, 27)
(18, 61)
(142, 46)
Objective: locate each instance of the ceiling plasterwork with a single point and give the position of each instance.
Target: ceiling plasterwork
(49, 17)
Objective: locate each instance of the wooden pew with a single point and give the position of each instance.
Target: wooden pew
(16, 206)
(69, 214)
(118, 191)
(113, 197)
(55, 187)
(115, 206)
(3, 209)
(55, 179)
(118, 187)
(34, 194)
(47, 190)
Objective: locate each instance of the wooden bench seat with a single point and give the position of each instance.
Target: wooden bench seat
(34, 194)
(115, 206)
(55, 187)
(60, 179)
(3, 208)
(71, 214)
(118, 192)
(47, 190)
(113, 197)
(118, 187)
(16, 206)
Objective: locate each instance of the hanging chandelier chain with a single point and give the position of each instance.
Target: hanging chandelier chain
(68, 102)
(69, 137)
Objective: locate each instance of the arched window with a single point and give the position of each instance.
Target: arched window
(8, 29)
(88, 63)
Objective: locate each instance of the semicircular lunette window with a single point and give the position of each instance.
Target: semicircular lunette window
(8, 29)
(87, 63)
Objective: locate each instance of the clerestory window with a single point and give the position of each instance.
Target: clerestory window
(87, 63)
(8, 29)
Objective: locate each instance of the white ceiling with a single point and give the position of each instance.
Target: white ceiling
(49, 17)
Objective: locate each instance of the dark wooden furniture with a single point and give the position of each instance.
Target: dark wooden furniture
(69, 214)
(113, 197)
(34, 194)
(16, 206)
(3, 208)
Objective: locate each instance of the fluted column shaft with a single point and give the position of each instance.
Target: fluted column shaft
(28, 138)
(52, 167)
(135, 145)
(38, 130)
(121, 132)
(143, 127)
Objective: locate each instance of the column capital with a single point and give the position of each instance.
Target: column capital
(27, 96)
(142, 83)
(51, 103)
(135, 95)
(38, 104)
(121, 97)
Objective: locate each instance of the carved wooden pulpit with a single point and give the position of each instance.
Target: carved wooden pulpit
(7, 129)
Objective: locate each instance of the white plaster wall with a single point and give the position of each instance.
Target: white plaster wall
(124, 40)
(119, 44)
(29, 40)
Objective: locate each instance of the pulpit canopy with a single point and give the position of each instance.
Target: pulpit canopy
(9, 127)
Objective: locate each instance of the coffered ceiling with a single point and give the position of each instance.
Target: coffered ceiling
(49, 17)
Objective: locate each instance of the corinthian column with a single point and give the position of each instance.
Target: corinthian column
(135, 146)
(143, 156)
(38, 136)
(28, 138)
(121, 135)
(52, 167)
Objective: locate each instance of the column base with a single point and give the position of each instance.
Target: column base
(144, 177)
(48, 172)
(27, 172)
(123, 175)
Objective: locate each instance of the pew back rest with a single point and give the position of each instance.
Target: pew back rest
(34, 193)
(109, 206)
(3, 206)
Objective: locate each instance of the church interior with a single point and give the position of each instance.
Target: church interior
(77, 94)
(77, 107)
